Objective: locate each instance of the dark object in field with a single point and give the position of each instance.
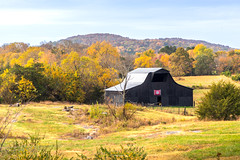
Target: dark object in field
(150, 86)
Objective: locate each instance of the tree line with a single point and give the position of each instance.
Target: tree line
(78, 73)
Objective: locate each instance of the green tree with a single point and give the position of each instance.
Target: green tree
(204, 60)
(205, 64)
(180, 63)
(168, 49)
(34, 74)
(222, 102)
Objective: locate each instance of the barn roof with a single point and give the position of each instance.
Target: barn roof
(134, 78)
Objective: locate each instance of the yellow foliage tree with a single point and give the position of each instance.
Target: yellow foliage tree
(104, 53)
(145, 59)
(201, 49)
(143, 62)
(31, 53)
(7, 83)
(165, 60)
(26, 90)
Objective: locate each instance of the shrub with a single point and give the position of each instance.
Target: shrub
(30, 149)
(95, 111)
(126, 112)
(236, 77)
(227, 73)
(222, 102)
(199, 87)
(130, 153)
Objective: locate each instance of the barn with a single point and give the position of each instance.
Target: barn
(150, 86)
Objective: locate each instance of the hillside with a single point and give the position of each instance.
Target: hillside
(128, 45)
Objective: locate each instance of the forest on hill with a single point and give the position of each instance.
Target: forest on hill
(78, 73)
(131, 46)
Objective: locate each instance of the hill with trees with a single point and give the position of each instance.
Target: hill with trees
(131, 46)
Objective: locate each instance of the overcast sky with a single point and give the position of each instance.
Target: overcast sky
(34, 21)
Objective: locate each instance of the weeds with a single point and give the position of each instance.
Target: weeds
(7, 123)
(125, 153)
(30, 149)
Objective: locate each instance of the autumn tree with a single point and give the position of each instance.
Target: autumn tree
(59, 81)
(235, 59)
(7, 85)
(223, 62)
(106, 55)
(34, 74)
(26, 90)
(180, 63)
(161, 60)
(31, 53)
(145, 59)
(165, 60)
(91, 77)
(15, 47)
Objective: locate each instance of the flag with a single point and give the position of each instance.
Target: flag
(157, 92)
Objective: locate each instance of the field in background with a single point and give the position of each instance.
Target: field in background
(168, 136)
(201, 81)
(205, 81)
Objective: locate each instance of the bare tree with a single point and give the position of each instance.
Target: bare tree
(126, 64)
(7, 123)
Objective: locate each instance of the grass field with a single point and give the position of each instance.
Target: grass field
(168, 135)
(204, 81)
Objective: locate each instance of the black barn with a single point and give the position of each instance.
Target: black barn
(151, 86)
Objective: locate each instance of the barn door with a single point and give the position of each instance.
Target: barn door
(159, 100)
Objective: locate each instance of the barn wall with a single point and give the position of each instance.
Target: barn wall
(113, 97)
(172, 94)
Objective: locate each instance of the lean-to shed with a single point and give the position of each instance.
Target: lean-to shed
(150, 86)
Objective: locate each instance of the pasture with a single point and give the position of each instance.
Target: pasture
(164, 133)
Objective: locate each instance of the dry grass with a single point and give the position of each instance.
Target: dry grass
(204, 81)
(49, 120)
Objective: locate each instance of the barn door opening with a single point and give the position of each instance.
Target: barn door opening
(159, 100)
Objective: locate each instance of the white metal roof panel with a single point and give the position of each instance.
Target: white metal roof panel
(134, 78)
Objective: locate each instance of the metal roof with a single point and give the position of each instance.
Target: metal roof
(134, 78)
(145, 70)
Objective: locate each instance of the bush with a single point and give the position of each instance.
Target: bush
(126, 112)
(129, 153)
(222, 102)
(95, 111)
(200, 86)
(236, 77)
(226, 73)
(30, 149)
